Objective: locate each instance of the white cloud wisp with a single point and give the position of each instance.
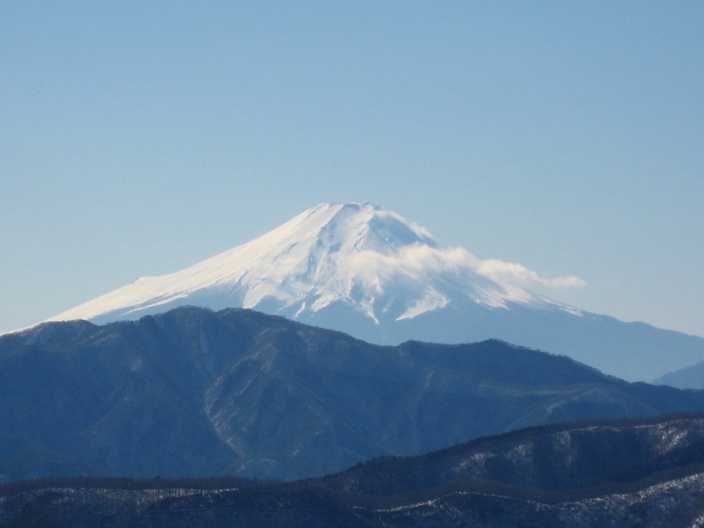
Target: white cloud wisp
(517, 274)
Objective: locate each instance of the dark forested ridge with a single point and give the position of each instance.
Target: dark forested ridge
(199, 393)
(626, 473)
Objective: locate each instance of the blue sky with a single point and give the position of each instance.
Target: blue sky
(137, 138)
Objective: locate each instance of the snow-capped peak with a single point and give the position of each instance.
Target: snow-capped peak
(369, 259)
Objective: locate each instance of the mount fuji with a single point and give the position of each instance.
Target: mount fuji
(368, 272)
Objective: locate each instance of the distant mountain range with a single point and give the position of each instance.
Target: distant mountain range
(586, 475)
(686, 378)
(370, 273)
(193, 392)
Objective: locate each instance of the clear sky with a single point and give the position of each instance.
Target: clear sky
(137, 138)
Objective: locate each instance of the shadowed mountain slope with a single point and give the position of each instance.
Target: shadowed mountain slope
(194, 392)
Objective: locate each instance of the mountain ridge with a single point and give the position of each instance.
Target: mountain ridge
(195, 392)
(587, 474)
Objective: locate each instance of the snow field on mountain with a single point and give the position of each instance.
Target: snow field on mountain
(358, 254)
